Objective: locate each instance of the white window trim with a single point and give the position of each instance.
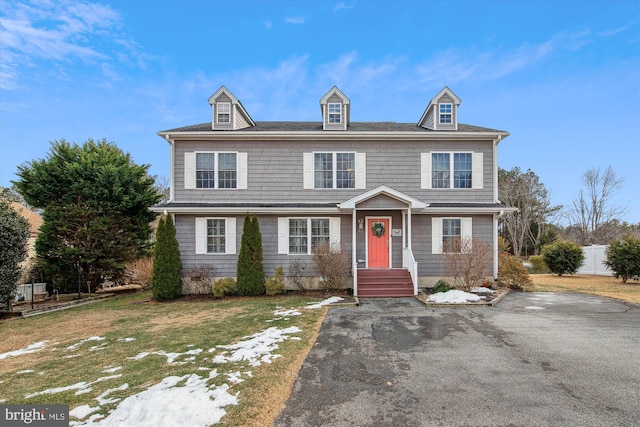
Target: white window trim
(227, 105)
(329, 113)
(360, 172)
(190, 170)
(466, 231)
(201, 236)
(441, 114)
(283, 234)
(477, 170)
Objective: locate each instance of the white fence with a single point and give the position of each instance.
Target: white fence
(38, 290)
(594, 256)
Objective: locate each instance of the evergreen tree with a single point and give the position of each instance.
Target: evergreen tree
(14, 234)
(95, 205)
(166, 282)
(250, 269)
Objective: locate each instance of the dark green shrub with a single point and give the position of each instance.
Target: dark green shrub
(623, 258)
(166, 282)
(563, 257)
(275, 284)
(441, 286)
(537, 265)
(512, 273)
(250, 268)
(224, 287)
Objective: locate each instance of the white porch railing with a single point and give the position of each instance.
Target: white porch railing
(409, 262)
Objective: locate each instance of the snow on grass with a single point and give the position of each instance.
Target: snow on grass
(31, 348)
(79, 343)
(26, 371)
(111, 369)
(128, 339)
(256, 349)
(171, 357)
(82, 387)
(454, 296)
(185, 400)
(327, 301)
(281, 312)
(82, 411)
(102, 399)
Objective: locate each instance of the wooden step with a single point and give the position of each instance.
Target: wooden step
(384, 283)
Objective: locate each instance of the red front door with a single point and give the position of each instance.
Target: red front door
(378, 242)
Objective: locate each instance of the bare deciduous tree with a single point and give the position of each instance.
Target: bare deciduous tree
(525, 192)
(594, 209)
(469, 262)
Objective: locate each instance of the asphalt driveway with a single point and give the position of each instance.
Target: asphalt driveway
(534, 359)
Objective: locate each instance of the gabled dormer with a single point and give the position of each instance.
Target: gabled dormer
(442, 111)
(228, 112)
(335, 110)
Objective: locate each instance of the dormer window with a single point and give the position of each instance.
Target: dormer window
(335, 113)
(224, 112)
(446, 113)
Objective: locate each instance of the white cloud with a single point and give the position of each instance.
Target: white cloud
(51, 34)
(294, 20)
(341, 6)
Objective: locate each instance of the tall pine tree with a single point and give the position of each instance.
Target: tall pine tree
(166, 282)
(250, 269)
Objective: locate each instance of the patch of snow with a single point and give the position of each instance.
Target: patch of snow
(71, 356)
(31, 348)
(454, 296)
(128, 339)
(79, 343)
(327, 301)
(102, 399)
(286, 313)
(534, 307)
(110, 370)
(26, 371)
(234, 377)
(171, 357)
(139, 356)
(82, 387)
(257, 348)
(98, 347)
(193, 404)
(82, 411)
(482, 290)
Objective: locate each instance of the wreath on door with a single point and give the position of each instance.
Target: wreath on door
(377, 229)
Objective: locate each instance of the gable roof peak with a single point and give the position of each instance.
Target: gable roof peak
(334, 91)
(446, 91)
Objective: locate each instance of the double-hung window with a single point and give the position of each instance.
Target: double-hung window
(446, 113)
(224, 112)
(334, 170)
(306, 234)
(452, 170)
(335, 113)
(216, 170)
(216, 243)
(215, 236)
(451, 235)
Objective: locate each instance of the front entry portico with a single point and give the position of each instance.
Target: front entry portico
(381, 221)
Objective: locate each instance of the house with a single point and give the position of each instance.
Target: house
(390, 194)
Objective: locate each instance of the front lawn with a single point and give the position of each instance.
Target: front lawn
(163, 357)
(604, 286)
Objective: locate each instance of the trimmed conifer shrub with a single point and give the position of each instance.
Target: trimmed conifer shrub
(250, 269)
(166, 283)
(563, 257)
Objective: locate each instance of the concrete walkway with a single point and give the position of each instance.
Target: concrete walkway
(535, 359)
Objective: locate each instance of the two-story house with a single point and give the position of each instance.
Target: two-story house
(390, 194)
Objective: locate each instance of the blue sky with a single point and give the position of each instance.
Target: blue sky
(562, 76)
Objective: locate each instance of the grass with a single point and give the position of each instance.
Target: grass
(604, 286)
(171, 327)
